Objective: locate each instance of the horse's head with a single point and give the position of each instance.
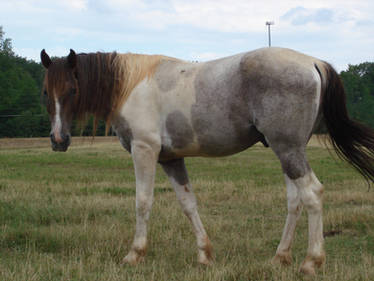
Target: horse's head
(60, 91)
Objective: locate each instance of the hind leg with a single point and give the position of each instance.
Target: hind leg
(304, 188)
(311, 191)
(177, 174)
(283, 254)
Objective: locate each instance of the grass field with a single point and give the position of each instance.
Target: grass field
(71, 216)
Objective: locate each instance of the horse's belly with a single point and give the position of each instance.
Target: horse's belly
(228, 140)
(213, 143)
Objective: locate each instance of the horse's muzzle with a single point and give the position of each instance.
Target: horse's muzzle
(61, 145)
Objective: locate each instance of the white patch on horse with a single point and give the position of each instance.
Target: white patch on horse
(317, 78)
(57, 125)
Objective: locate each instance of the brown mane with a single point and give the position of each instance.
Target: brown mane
(105, 80)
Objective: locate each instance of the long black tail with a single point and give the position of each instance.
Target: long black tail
(351, 140)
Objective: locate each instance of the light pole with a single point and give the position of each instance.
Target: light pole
(269, 23)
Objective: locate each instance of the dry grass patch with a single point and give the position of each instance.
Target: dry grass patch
(71, 216)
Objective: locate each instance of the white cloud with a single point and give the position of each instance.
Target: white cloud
(301, 15)
(75, 4)
(201, 29)
(240, 16)
(42, 6)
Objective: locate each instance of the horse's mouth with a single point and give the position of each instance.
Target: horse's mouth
(59, 148)
(62, 147)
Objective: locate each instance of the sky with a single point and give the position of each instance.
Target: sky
(337, 31)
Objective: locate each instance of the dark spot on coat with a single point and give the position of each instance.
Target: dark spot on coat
(177, 170)
(179, 129)
(124, 133)
(221, 115)
(166, 154)
(293, 161)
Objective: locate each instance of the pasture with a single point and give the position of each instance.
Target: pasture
(71, 216)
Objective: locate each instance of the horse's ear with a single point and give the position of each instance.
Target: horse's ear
(46, 60)
(72, 59)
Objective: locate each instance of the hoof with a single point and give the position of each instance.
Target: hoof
(310, 263)
(205, 255)
(134, 257)
(307, 268)
(204, 260)
(282, 259)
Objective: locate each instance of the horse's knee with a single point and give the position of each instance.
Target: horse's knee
(311, 191)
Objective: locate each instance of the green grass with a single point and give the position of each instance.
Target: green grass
(71, 216)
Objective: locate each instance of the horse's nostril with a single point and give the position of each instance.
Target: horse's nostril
(66, 139)
(59, 138)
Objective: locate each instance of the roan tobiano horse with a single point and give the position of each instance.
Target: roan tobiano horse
(164, 109)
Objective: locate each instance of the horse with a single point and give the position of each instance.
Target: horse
(164, 109)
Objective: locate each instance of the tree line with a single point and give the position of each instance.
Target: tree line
(23, 115)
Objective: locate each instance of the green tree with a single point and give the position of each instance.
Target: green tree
(5, 43)
(21, 114)
(359, 85)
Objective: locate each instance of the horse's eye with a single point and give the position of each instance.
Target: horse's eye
(73, 92)
(44, 99)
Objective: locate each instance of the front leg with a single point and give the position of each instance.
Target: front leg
(145, 159)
